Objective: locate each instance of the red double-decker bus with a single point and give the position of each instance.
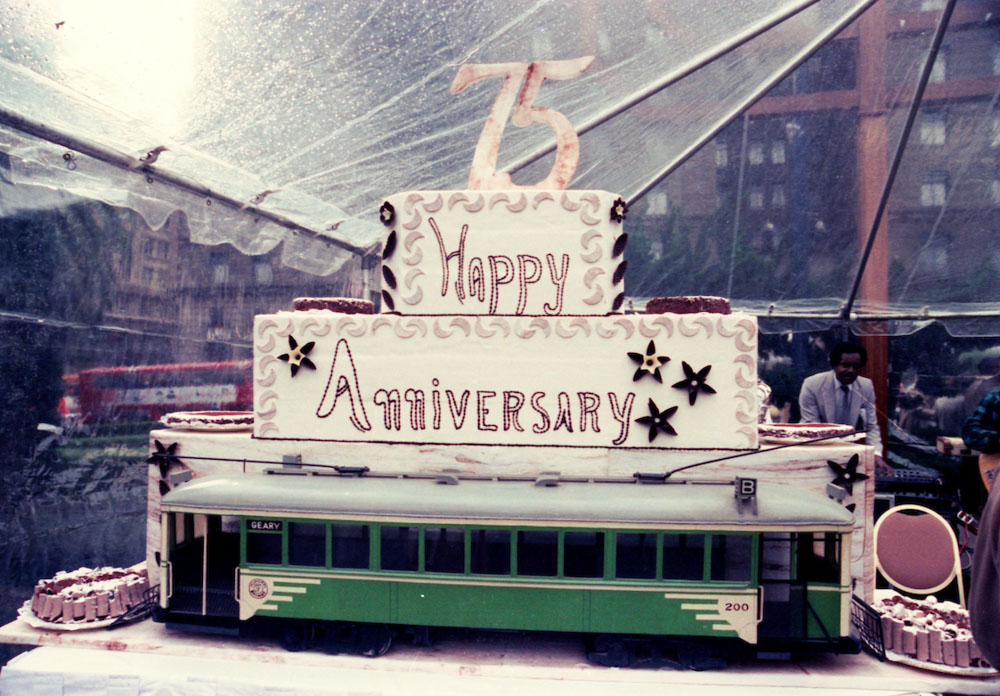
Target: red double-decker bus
(147, 392)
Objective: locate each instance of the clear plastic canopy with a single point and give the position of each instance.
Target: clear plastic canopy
(169, 169)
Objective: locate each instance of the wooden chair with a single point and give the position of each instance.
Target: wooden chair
(916, 551)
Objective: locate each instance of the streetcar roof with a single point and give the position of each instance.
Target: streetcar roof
(515, 502)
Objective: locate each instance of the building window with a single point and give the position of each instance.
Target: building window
(262, 272)
(932, 128)
(220, 268)
(147, 247)
(934, 189)
(940, 69)
(721, 154)
(147, 276)
(657, 204)
(778, 197)
(778, 152)
(756, 154)
(756, 198)
(161, 249)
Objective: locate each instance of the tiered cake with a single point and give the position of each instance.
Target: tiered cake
(502, 325)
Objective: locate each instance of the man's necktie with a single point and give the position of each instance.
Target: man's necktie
(843, 413)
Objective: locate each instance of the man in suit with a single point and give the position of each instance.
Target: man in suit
(982, 432)
(843, 396)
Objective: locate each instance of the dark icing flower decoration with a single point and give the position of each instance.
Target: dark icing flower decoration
(164, 456)
(619, 209)
(387, 214)
(694, 382)
(649, 363)
(296, 357)
(847, 475)
(656, 421)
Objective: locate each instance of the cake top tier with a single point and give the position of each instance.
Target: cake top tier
(534, 253)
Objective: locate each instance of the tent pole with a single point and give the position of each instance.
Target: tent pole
(694, 65)
(897, 157)
(128, 163)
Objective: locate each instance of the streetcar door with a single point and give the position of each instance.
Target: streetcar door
(185, 557)
(784, 594)
(221, 561)
(203, 555)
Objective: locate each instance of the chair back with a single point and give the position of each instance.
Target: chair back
(916, 550)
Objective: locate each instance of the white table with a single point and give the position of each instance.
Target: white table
(146, 659)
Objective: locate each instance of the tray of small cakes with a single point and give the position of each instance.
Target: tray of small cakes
(85, 598)
(926, 633)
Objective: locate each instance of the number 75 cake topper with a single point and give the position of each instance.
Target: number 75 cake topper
(483, 175)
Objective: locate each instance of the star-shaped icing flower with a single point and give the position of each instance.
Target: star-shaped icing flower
(847, 475)
(387, 214)
(649, 363)
(619, 209)
(656, 421)
(164, 456)
(296, 357)
(694, 382)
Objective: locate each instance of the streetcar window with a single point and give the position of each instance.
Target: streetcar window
(537, 553)
(307, 544)
(264, 547)
(399, 548)
(683, 556)
(819, 557)
(490, 551)
(583, 554)
(444, 550)
(635, 556)
(350, 546)
(731, 557)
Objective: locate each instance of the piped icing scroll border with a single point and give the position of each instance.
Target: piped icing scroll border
(415, 207)
(741, 330)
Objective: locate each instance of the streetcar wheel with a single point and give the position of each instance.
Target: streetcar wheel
(293, 637)
(611, 651)
(374, 641)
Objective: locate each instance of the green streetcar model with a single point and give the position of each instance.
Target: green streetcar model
(351, 560)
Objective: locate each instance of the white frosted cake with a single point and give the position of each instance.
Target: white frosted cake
(499, 329)
(542, 253)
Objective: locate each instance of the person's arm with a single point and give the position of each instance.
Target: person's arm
(808, 403)
(982, 430)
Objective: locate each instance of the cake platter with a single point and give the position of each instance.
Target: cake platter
(25, 614)
(805, 433)
(215, 421)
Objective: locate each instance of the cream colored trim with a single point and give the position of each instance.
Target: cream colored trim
(603, 586)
